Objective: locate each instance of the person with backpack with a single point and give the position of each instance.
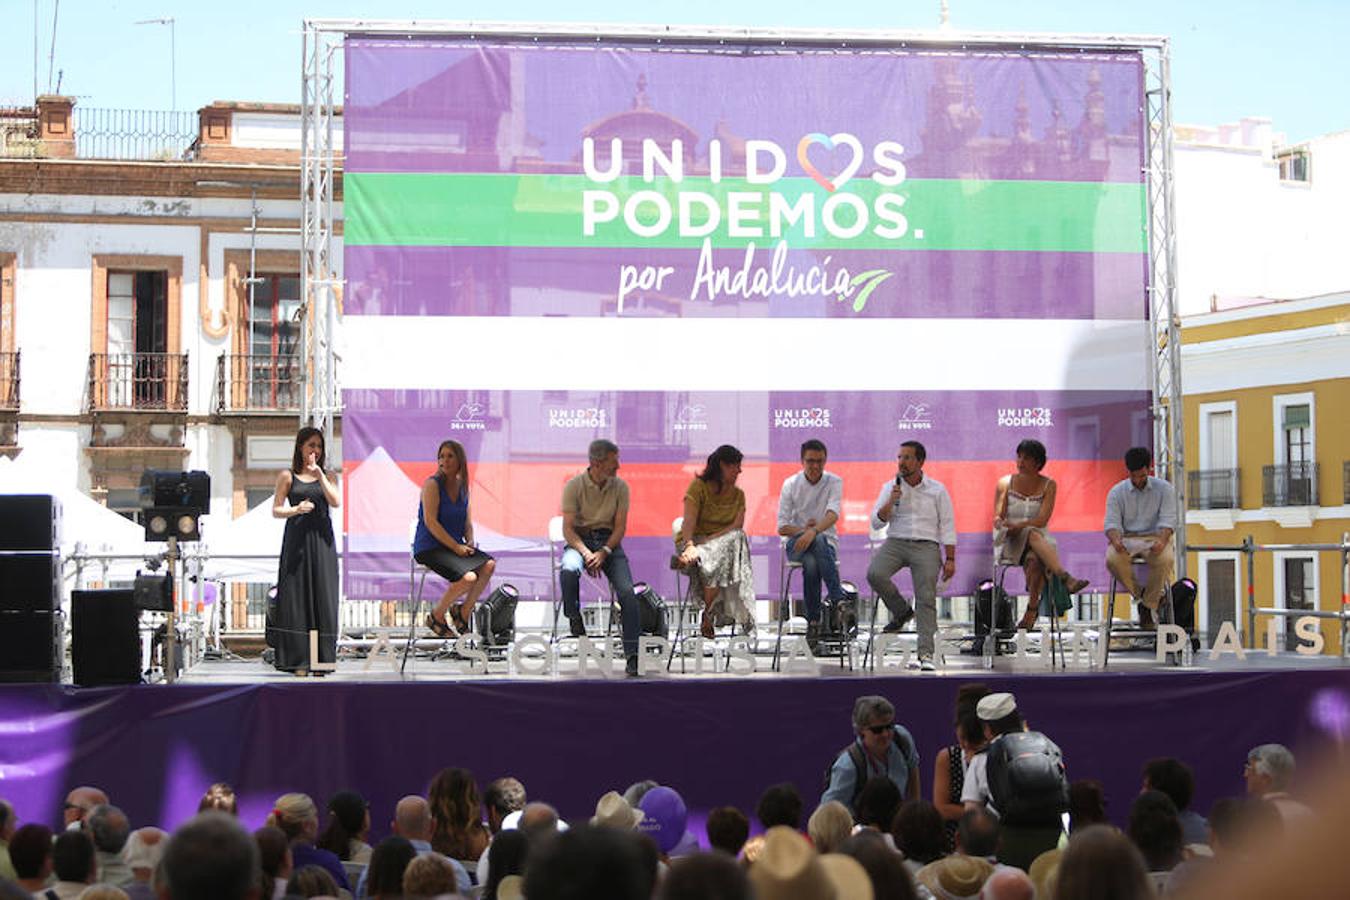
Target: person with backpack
(881, 748)
(1020, 778)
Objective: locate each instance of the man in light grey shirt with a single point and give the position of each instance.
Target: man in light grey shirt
(1141, 515)
(920, 524)
(808, 507)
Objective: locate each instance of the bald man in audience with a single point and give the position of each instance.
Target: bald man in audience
(78, 804)
(538, 819)
(1008, 883)
(142, 853)
(412, 821)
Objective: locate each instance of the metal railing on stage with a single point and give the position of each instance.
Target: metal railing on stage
(1249, 549)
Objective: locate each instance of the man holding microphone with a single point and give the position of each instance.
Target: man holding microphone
(920, 533)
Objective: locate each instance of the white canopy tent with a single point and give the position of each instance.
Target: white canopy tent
(242, 549)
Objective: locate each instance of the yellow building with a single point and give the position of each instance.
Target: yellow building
(1267, 411)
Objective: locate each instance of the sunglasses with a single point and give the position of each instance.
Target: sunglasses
(881, 729)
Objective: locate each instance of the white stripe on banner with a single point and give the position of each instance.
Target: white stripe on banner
(744, 354)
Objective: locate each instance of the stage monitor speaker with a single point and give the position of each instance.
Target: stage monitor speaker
(30, 529)
(105, 645)
(29, 647)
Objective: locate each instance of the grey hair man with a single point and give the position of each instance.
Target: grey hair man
(503, 797)
(880, 747)
(212, 857)
(109, 828)
(1269, 771)
(594, 520)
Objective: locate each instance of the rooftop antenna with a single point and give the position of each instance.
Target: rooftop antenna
(173, 56)
(51, 56)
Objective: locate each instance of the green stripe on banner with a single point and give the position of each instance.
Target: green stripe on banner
(481, 210)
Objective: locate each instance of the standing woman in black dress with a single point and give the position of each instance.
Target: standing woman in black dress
(307, 582)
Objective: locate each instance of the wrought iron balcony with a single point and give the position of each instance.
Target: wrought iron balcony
(257, 383)
(1290, 485)
(1214, 489)
(139, 381)
(9, 380)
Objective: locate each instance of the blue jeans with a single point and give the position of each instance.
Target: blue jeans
(819, 563)
(620, 578)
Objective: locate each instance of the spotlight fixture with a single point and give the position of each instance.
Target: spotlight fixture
(173, 503)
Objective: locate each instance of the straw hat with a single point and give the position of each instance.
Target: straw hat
(788, 868)
(955, 877)
(511, 888)
(612, 811)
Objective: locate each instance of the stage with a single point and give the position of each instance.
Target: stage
(718, 739)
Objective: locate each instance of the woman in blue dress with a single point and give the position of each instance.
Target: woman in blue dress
(444, 542)
(307, 578)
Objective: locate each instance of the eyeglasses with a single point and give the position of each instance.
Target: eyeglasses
(881, 729)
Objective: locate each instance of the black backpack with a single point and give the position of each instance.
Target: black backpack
(1027, 783)
(855, 755)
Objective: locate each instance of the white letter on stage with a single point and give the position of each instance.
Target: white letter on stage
(740, 650)
(798, 659)
(649, 662)
(531, 664)
(464, 647)
(1171, 638)
(879, 647)
(1227, 641)
(1310, 640)
(589, 653)
(1273, 627)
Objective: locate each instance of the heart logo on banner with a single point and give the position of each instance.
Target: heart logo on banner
(829, 142)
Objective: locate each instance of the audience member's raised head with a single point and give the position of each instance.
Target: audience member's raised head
(1008, 883)
(348, 821)
(109, 828)
(705, 876)
(728, 829)
(1240, 825)
(219, 797)
(1087, 804)
(297, 816)
(274, 857)
(780, 804)
(389, 860)
(612, 811)
(977, 833)
(73, 858)
(1155, 830)
(885, 872)
(955, 877)
(428, 875)
(79, 802)
(918, 831)
(412, 819)
(1269, 769)
(877, 803)
(143, 851)
(30, 852)
(788, 868)
(314, 881)
(829, 826)
(634, 793)
(999, 714)
(209, 858)
(456, 813)
(538, 820)
(587, 863)
(1171, 776)
(1100, 863)
(508, 855)
(503, 797)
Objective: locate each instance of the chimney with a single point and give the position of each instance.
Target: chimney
(56, 125)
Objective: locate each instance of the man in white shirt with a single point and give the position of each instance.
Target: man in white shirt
(920, 533)
(808, 507)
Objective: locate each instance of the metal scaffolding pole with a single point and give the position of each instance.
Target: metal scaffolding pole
(319, 397)
(1165, 350)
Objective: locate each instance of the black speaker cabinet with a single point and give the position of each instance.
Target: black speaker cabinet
(105, 643)
(29, 646)
(29, 522)
(29, 533)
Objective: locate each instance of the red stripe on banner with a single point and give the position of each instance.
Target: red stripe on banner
(518, 499)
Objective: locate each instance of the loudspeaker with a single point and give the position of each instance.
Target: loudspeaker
(154, 592)
(29, 649)
(32, 523)
(105, 643)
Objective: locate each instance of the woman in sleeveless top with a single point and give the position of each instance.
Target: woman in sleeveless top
(949, 767)
(1023, 504)
(444, 542)
(307, 577)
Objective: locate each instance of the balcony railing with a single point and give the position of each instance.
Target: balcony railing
(1213, 489)
(9, 380)
(146, 381)
(257, 383)
(1291, 485)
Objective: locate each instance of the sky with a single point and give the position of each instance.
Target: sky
(1285, 61)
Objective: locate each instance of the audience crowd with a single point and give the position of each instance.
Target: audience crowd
(994, 826)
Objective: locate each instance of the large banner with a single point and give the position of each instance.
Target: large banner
(676, 247)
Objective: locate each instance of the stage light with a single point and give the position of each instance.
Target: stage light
(173, 503)
(495, 617)
(156, 528)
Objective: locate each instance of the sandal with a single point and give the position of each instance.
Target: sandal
(439, 628)
(1073, 585)
(1027, 623)
(458, 621)
(706, 625)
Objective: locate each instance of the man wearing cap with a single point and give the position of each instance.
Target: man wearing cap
(999, 715)
(1141, 515)
(916, 513)
(595, 517)
(881, 748)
